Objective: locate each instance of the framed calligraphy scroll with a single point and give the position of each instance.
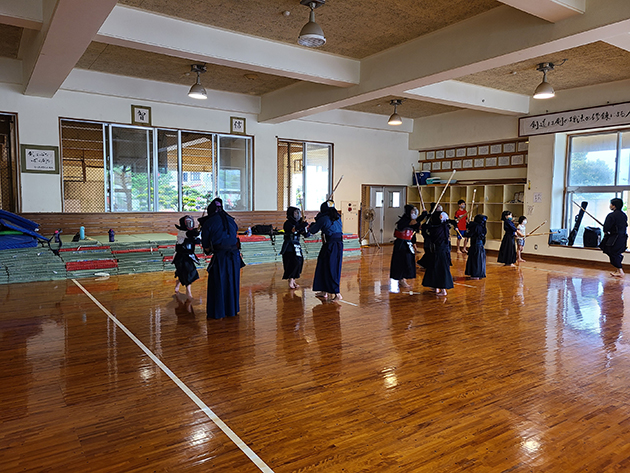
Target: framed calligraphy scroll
(574, 120)
(40, 159)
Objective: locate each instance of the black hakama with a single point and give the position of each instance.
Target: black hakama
(292, 261)
(507, 251)
(438, 270)
(403, 264)
(328, 269)
(218, 233)
(185, 269)
(292, 256)
(476, 261)
(615, 241)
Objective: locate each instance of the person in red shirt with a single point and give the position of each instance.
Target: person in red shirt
(461, 217)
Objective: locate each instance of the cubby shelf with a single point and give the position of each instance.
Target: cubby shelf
(490, 200)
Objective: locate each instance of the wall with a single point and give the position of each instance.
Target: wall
(546, 157)
(362, 154)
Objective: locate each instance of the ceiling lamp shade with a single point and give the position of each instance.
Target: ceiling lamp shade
(544, 89)
(312, 35)
(395, 119)
(197, 91)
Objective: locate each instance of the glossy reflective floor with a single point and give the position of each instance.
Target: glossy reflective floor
(527, 370)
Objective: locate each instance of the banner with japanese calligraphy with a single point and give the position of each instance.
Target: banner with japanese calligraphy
(597, 117)
(40, 159)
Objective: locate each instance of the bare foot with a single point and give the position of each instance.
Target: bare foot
(441, 292)
(474, 279)
(465, 251)
(188, 291)
(337, 297)
(177, 288)
(323, 295)
(511, 265)
(459, 252)
(521, 260)
(617, 275)
(404, 283)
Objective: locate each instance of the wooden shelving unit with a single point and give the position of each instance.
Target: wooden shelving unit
(490, 200)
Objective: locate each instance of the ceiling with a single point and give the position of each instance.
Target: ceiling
(353, 28)
(437, 55)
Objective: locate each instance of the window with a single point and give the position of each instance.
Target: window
(304, 177)
(117, 168)
(394, 200)
(598, 170)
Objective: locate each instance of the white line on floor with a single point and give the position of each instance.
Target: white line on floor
(213, 417)
(351, 303)
(461, 284)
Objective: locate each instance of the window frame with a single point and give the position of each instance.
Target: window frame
(304, 144)
(152, 170)
(570, 190)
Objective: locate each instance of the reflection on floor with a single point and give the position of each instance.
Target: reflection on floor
(526, 370)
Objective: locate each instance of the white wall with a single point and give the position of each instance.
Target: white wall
(363, 155)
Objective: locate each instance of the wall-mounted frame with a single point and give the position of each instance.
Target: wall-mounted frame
(237, 125)
(496, 155)
(140, 115)
(40, 159)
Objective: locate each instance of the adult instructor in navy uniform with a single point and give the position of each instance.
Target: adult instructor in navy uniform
(218, 237)
(615, 240)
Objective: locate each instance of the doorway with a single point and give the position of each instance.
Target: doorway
(8, 164)
(382, 210)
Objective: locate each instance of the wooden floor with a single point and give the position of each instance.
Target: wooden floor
(525, 371)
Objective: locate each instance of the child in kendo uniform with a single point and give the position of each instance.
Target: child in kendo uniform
(476, 261)
(292, 256)
(507, 251)
(185, 259)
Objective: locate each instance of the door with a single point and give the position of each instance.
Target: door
(385, 207)
(374, 215)
(395, 199)
(8, 164)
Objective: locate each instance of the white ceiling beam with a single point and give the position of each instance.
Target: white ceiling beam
(364, 120)
(25, 13)
(622, 41)
(145, 31)
(476, 97)
(91, 82)
(550, 10)
(68, 29)
(499, 37)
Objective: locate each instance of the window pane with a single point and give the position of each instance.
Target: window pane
(592, 160)
(168, 197)
(378, 199)
(624, 160)
(394, 200)
(296, 173)
(83, 173)
(598, 206)
(131, 157)
(234, 172)
(317, 174)
(197, 171)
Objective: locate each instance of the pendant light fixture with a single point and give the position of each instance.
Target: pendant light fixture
(197, 91)
(544, 89)
(312, 35)
(395, 119)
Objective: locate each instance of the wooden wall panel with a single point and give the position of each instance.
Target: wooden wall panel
(143, 222)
